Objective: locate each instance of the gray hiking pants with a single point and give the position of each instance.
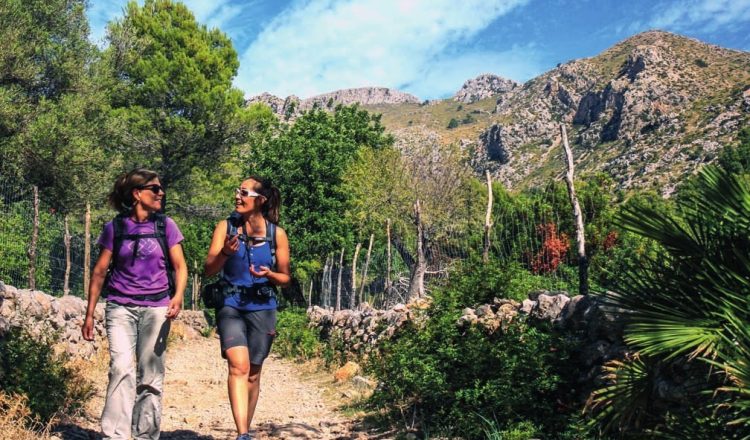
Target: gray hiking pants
(137, 338)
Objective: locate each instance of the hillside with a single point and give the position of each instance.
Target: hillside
(647, 111)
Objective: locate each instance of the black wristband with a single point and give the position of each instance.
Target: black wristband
(226, 255)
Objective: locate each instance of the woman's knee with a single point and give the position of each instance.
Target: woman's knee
(253, 376)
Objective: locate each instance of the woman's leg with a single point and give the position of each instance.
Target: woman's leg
(261, 333)
(153, 330)
(253, 385)
(121, 325)
(233, 334)
(238, 360)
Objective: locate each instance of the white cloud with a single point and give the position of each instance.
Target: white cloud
(704, 15)
(319, 46)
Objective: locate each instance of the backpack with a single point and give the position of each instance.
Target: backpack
(160, 234)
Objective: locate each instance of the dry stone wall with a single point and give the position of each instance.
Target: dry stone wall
(40, 314)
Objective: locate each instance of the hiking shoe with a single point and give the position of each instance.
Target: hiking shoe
(245, 436)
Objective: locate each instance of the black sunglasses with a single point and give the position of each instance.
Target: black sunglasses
(154, 188)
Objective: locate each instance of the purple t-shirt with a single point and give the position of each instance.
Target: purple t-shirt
(147, 272)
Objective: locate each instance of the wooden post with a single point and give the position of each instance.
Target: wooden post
(364, 272)
(34, 240)
(583, 264)
(66, 242)
(416, 282)
(309, 294)
(487, 220)
(388, 258)
(86, 250)
(338, 283)
(353, 294)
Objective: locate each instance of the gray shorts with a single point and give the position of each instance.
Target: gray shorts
(255, 330)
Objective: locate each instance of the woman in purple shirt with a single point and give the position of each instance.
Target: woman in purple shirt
(253, 256)
(141, 301)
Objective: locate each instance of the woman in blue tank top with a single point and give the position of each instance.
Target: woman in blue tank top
(252, 254)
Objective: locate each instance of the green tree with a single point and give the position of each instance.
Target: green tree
(308, 161)
(51, 113)
(171, 81)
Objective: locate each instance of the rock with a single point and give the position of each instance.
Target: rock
(347, 372)
(527, 306)
(549, 308)
(483, 87)
(363, 383)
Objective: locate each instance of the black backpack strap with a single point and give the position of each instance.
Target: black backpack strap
(231, 229)
(160, 233)
(271, 239)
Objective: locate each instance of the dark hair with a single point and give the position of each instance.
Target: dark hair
(121, 197)
(272, 194)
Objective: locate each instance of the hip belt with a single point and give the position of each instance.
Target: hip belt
(141, 297)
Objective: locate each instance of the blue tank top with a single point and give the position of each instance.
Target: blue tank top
(236, 272)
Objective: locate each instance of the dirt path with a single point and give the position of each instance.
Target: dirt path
(294, 403)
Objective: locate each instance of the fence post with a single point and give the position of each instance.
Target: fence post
(388, 260)
(34, 239)
(416, 282)
(353, 294)
(364, 272)
(583, 263)
(66, 241)
(338, 282)
(86, 250)
(309, 294)
(487, 220)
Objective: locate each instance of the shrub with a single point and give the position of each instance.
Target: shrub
(30, 367)
(453, 123)
(454, 380)
(294, 339)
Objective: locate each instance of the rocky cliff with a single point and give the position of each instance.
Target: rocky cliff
(293, 106)
(484, 86)
(648, 111)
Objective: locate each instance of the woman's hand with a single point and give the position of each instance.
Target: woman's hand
(231, 245)
(175, 305)
(262, 273)
(87, 330)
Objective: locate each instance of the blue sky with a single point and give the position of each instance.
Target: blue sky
(430, 47)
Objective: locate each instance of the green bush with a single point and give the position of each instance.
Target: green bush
(29, 366)
(475, 282)
(453, 380)
(453, 123)
(294, 339)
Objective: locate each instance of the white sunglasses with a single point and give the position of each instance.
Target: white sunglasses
(246, 192)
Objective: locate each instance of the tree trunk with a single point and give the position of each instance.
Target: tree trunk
(364, 272)
(583, 264)
(416, 281)
(487, 220)
(87, 250)
(34, 240)
(66, 242)
(338, 283)
(353, 294)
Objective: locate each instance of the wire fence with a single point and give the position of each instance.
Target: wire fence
(534, 234)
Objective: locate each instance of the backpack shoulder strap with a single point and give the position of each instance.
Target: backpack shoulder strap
(160, 232)
(231, 229)
(271, 239)
(118, 235)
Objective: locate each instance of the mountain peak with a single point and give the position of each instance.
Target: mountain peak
(484, 86)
